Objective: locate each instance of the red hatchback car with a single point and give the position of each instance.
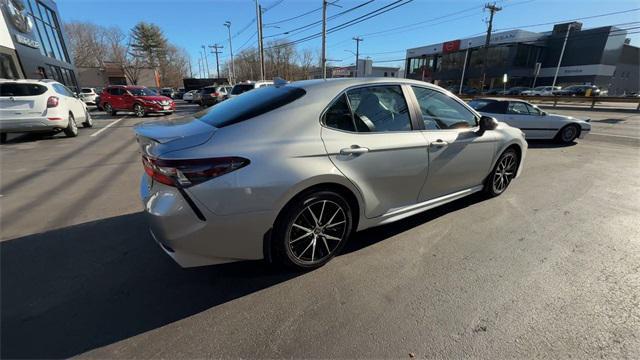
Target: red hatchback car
(138, 99)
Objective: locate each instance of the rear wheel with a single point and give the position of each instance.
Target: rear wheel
(312, 230)
(72, 128)
(502, 174)
(139, 110)
(3, 138)
(88, 122)
(568, 134)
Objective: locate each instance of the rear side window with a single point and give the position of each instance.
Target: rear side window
(241, 88)
(86, 91)
(339, 116)
(250, 105)
(488, 106)
(18, 89)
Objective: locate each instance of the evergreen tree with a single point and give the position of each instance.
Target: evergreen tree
(148, 43)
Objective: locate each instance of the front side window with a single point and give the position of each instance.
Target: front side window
(533, 110)
(440, 112)
(517, 108)
(379, 109)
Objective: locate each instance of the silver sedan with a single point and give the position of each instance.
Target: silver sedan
(289, 172)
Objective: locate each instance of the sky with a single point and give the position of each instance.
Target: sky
(192, 23)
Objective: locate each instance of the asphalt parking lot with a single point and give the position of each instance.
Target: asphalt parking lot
(549, 269)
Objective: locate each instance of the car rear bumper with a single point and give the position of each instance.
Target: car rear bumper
(192, 240)
(31, 124)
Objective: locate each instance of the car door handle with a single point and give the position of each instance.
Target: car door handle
(354, 150)
(439, 143)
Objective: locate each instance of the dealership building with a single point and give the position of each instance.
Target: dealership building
(602, 56)
(32, 44)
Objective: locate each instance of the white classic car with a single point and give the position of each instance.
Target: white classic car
(534, 122)
(541, 91)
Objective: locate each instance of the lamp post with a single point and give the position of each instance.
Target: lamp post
(232, 72)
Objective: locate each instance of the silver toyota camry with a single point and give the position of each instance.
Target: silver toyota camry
(289, 172)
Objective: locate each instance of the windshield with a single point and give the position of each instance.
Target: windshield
(250, 105)
(241, 88)
(141, 92)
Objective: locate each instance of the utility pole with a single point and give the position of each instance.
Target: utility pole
(324, 39)
(566, 37)
(215, 50)
(493, 8)
(260, 44)
(357, 39)
(232, 72)
(206, 60)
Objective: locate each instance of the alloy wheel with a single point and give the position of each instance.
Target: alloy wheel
(317, 231)
(107, 108)
(505, 172)
(569, 133)
(139, 110)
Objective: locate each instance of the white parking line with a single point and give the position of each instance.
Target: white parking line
(108, 126)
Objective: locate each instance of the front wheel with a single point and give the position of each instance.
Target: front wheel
(139, 110)
(72, 128)
(503, 172)
(568, 134)
(109, 109)
(312, 230)
(88, 122)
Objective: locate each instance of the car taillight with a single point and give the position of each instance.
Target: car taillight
(214, 95)
(185, 173)
(52, 101)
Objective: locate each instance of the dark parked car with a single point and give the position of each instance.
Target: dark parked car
(168, 92)
(466, 90)
(516, 90)
(212, 95)
(578, 90)
(495, 91)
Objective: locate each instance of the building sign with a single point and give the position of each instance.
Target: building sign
(27, 41)
(450, 46)
(18, 15)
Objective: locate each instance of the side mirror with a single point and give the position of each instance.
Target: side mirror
(75, 95)
(487, 123)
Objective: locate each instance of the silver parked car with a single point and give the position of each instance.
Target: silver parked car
(288, 172)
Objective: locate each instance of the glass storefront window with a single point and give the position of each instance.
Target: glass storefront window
(48, 31)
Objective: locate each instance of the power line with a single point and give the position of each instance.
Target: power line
(247, 42)
(350, 23)
(289, 32)
(295, 17)
(278, 2)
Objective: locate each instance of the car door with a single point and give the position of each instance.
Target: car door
(543, 125)
(534, 126)
(127, 99)
(370, 138)
(459, 157)
(115, 98)
(76, 104)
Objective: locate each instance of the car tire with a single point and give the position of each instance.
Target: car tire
(311, 230)
(88, 123)
(3, 138)
(568, 134)
(503, 173)
(72, 128)
(139, 110)
(109, 110)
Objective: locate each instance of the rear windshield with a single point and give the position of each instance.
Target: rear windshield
(208, 90)
(86, 91)
(479, 104)
(240, 88)
(250, 105)
(17, 89)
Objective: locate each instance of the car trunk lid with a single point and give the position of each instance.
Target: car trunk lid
(160, 137)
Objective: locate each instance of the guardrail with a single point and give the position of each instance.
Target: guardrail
(593, 100)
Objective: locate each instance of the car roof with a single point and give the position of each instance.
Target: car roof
(343, 83)
(500, 99)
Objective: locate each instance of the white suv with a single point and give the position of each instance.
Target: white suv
(40, 106)
(88, 95)
(248, 86)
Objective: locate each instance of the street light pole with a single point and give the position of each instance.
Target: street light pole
(232, 72)
(357, 39)
(206, 60)
(324, 39)
(566, 37)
